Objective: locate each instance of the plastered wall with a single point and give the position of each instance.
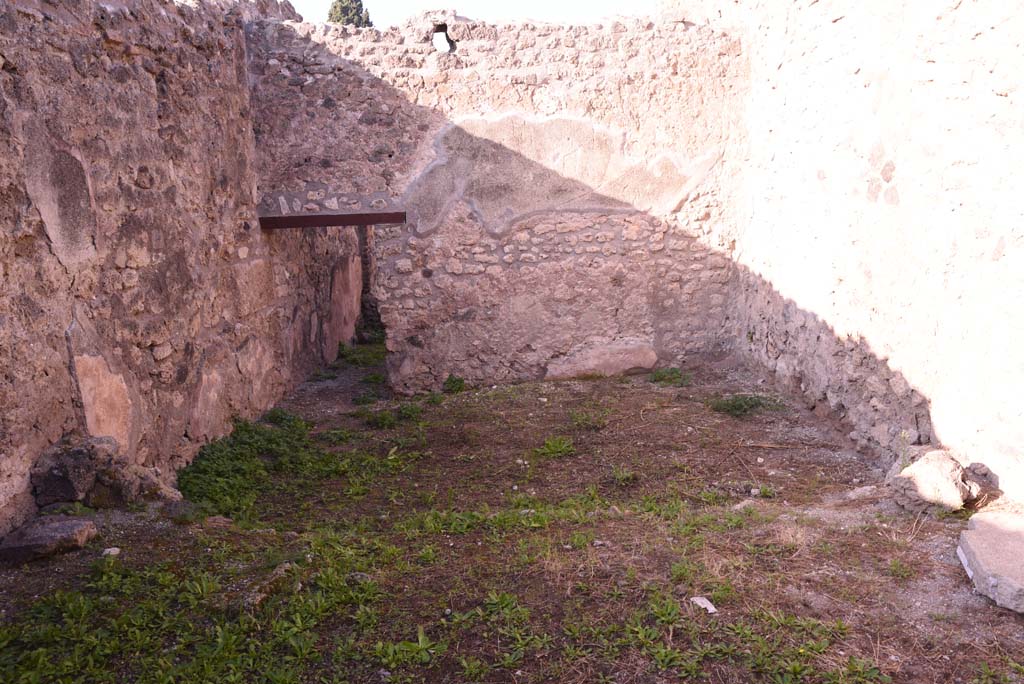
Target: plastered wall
(880, 226)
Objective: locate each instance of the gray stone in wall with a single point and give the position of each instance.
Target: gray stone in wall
(66, 474)
(94, 472)
(59, 189)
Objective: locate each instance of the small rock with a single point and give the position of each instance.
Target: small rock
(112, 551)
(599, 543)
(162, 351)
(860, 492)
(991, 549)
(216, 522)
(704, 603)
(46, 536)
(934, 480)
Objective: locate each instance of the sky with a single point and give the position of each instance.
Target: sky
(385, 13)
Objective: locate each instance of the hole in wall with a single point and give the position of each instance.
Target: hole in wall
(442, 42)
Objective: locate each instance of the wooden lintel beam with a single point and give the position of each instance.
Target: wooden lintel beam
(325, 220)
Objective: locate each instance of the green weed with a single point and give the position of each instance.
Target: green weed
(473, 669)
(624, 477)
(229, 474)
(555, 447)
(742, 405)
(409, 412)
(335, 437)
(589, 420)
(899, 569)
(671, 376)
(453, 384)
(361, 355)
(381, 420)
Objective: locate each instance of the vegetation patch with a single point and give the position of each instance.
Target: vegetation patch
(555, 447)
(229, 474)
(361, 355)
(742, 405)
(453, 384)
(671, 377)
(457, 539)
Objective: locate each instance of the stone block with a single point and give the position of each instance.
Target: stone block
(67, 473)
(935, 480)
(105, 399)
(46, 536)
(611, 358)
(992, 552)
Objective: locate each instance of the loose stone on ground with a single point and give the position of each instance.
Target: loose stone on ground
(46, 536)
(936, 480)
(992, 552)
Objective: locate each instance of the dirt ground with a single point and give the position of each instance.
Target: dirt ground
(542, 532)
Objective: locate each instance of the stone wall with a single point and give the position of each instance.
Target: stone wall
(562, 184)
(880, 226)
(139, 299)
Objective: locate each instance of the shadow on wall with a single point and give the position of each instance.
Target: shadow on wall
(511, 269)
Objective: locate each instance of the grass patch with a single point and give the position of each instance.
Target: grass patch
(742, 405)
(671, 377)
(335, 437)
(229, 474)
(181, 623)
(624, 477)
(899, 569)
(589, 420)
(441, 552)
(555, 447)
(409, 412)
(381, 420)
(361, 355)
(323, 375)
(453, 384)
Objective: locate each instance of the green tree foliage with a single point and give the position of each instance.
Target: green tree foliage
(349, 12)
